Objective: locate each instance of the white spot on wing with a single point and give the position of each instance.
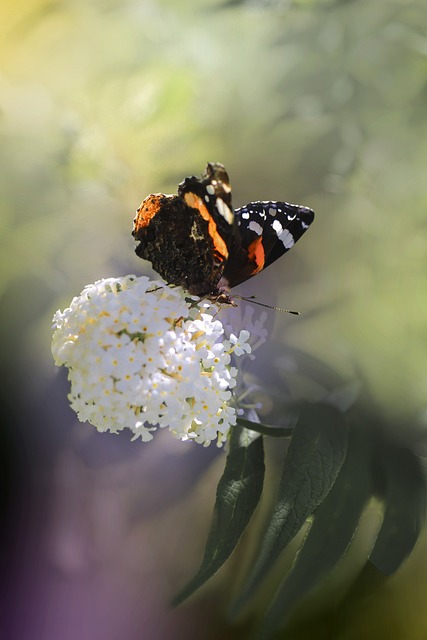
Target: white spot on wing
(277, 227)
(207, 198)
(210, 189)
(226, 213)
(272, 211)
(287, 239)
(254, 226)
(246, 215)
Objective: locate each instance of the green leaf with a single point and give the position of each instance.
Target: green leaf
(314, 458)
(266, 430)
(332, 531)
(238, 494)
(405, 501)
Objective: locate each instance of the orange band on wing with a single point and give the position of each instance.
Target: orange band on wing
(197, 203)
(256, 254)
(147, 210)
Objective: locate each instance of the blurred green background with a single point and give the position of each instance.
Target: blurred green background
(323, 103)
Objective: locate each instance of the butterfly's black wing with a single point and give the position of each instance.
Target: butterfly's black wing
(265, 230)
(211, 195)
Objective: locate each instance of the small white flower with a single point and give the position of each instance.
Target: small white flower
(142, 355)
(240, 344)
(245, 315)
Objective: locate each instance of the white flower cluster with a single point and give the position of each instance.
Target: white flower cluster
(141, 355)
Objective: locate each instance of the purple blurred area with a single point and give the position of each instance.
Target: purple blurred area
(98, 532)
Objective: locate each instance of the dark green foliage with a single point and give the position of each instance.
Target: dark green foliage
(404, 495)
(315, 456)
(330, 472)
(266, 430)
(238, 493)
(330, 534)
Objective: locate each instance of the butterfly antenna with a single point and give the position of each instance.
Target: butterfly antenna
(268, 306)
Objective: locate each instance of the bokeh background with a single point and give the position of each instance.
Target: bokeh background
(320, 102)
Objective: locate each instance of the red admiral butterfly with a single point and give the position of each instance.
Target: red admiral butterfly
(197, 241)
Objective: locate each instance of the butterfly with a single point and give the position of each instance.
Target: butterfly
(196, 240)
